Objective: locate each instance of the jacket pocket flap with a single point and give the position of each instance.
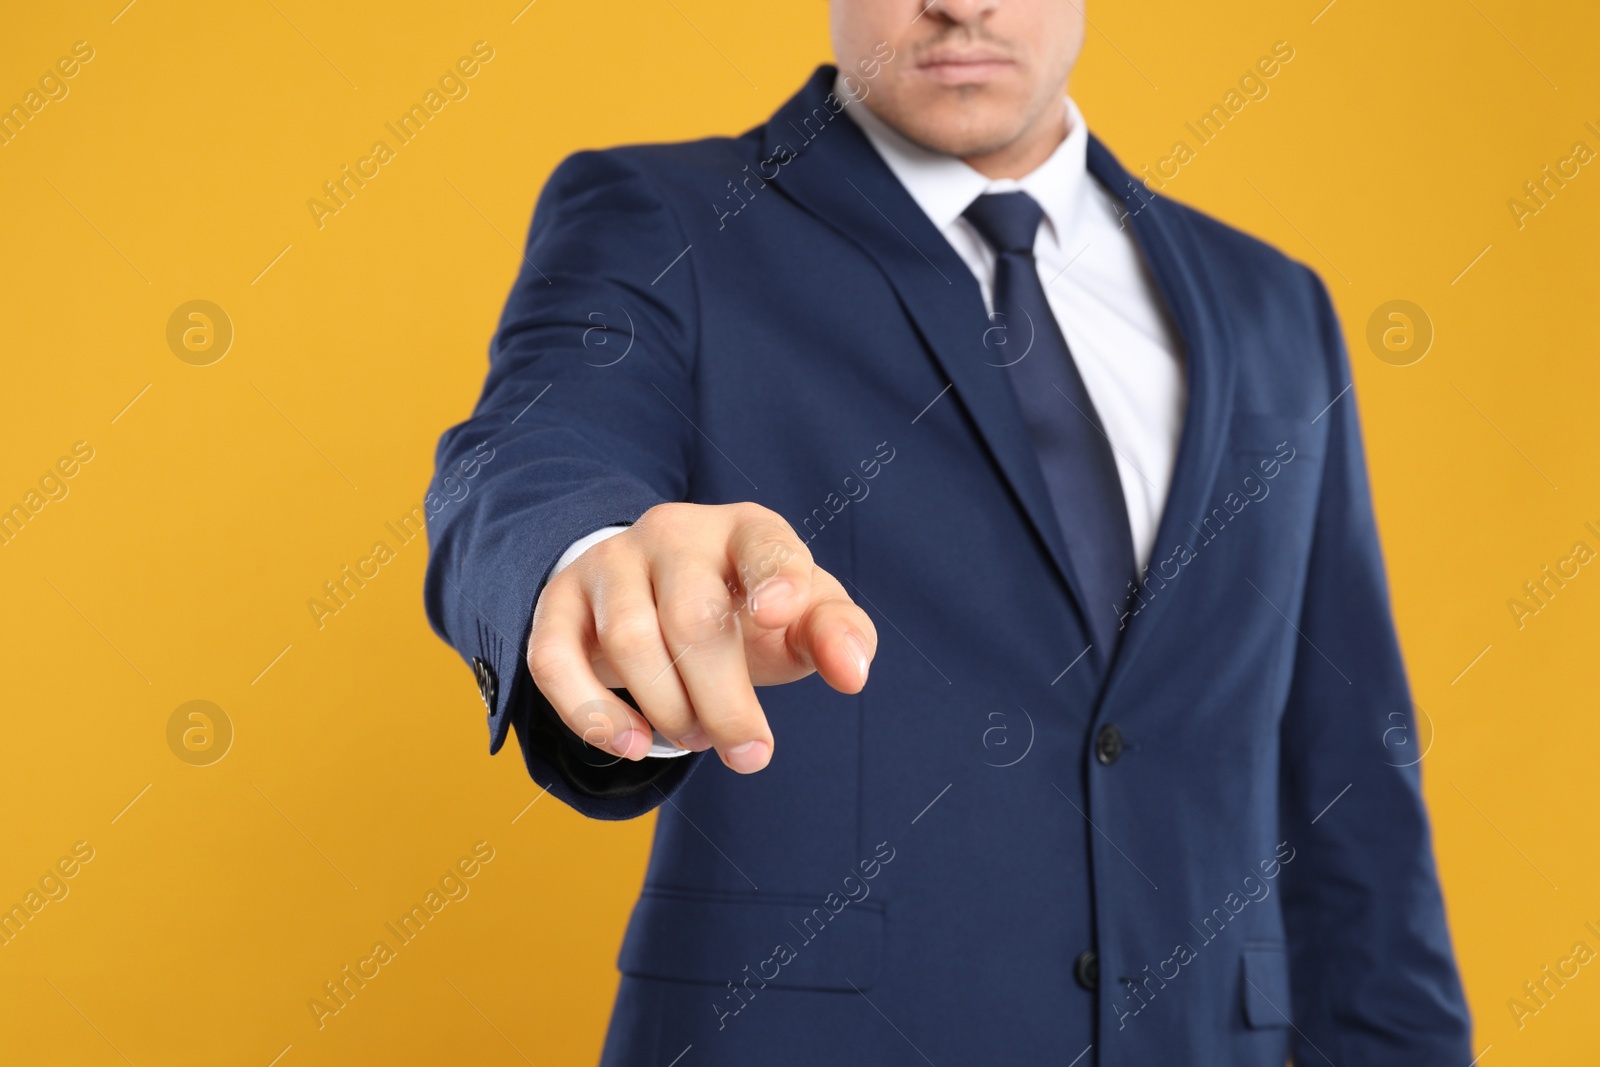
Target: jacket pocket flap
(788, 943)
(1266, 986)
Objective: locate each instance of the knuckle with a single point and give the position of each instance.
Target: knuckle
(556, 601)
(694, 619)
(748, 511)
(606, 554)
(665, 519)
(559, 583)
(547, 660)
(767, 522)
(768, 556)
(629, 634)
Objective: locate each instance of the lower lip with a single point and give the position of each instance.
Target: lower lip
(964, 73)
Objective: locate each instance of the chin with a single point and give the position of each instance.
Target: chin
(960, 128)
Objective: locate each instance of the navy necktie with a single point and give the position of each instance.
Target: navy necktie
(1074, 453)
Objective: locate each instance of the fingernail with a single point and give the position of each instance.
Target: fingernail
(771, 592)
(858, 653)
(627, 741)
(748, 757)
(695, 742)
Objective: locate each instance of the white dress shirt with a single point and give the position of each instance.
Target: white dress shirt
(1099, 287)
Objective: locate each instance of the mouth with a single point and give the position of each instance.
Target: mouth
(970, 66)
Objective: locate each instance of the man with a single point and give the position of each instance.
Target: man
(915, 377)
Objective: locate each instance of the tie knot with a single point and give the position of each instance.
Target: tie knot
(1008, 221)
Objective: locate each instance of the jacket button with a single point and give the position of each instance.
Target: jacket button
(1108, 745)
(488, 685)
(1087, 970)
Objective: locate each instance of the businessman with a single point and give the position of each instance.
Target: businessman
(915, 381)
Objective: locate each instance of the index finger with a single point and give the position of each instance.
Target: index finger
(773, 567)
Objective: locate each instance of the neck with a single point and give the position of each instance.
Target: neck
(1024, 154)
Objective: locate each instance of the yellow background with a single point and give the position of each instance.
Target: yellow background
(179, 565)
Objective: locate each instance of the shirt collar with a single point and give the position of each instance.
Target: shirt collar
(943, 186)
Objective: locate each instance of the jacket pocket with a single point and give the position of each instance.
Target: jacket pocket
(1265, 985)
(784, 942)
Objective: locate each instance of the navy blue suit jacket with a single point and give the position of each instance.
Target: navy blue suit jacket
(924, 870)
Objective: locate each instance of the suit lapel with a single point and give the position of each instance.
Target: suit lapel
(838, 176)
(827, 166)
(1164, 236)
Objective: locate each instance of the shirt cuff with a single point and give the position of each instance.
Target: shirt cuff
(582, 545)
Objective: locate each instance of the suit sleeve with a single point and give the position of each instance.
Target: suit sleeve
(1373, 975)
(582, 424)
